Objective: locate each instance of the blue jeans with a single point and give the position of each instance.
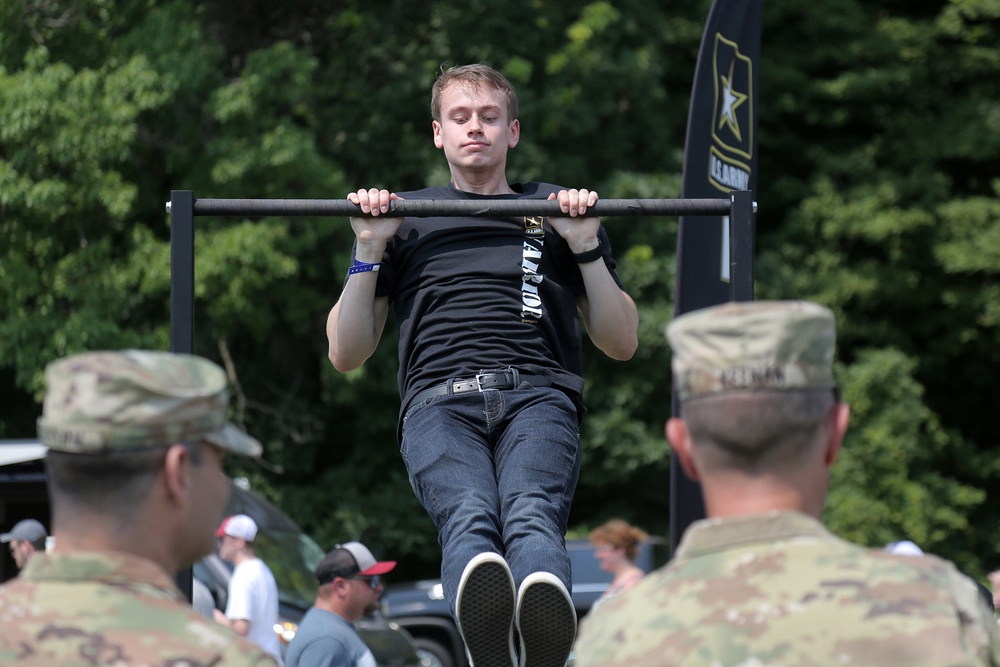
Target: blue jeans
(496, 471)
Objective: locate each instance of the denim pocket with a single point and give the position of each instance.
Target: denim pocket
(410, 411)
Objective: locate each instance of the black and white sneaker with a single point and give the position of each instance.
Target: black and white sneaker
(484, 609)
(546, 621)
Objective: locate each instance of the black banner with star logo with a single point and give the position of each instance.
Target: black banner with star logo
(720, 155)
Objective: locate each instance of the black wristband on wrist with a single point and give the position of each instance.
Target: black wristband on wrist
(591, 255)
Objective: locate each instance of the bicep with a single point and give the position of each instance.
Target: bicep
(324, 652)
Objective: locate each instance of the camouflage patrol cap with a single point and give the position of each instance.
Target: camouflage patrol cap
(117, 400)
(749, 346)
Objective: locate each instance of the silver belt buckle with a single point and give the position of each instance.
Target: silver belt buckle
(479, 381)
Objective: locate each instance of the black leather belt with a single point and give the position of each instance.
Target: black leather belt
(507, 379)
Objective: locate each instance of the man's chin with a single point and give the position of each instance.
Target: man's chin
(475, 159)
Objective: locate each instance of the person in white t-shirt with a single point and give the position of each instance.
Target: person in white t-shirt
(252, 608)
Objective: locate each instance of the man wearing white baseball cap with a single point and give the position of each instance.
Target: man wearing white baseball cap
(252, 607)
(349, 588)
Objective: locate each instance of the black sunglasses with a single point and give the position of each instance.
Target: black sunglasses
(372, 580)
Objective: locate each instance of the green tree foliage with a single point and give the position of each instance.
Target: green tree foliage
(885, 196)
(878, 195)
(888, 483)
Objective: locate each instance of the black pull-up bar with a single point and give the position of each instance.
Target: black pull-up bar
(183, 207)
(483, 208)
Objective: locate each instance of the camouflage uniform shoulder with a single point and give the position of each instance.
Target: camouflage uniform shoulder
(75, 610)
(981, 629)
(806, 599)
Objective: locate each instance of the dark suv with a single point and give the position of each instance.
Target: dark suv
(420, 608)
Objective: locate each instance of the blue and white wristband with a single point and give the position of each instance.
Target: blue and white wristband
(363, 267)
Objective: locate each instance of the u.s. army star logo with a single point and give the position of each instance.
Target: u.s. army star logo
(732, 118)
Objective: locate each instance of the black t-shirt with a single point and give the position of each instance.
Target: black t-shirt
(473, 294)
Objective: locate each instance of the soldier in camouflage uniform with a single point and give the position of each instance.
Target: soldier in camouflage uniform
(761, 582)
(136, 442)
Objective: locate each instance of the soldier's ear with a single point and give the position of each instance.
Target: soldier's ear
(176, 476)
(837, 424)
(680, 443)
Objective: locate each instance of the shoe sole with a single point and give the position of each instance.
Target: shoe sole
(546, 621)
(485, 611)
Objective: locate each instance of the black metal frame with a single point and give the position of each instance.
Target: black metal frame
(183, 207)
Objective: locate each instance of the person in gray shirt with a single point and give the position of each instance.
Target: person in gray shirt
(349, 588)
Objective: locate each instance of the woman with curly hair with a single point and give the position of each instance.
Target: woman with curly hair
(616, 546)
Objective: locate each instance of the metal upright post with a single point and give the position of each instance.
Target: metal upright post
(182, 271)
(741, 246)
(182, 304)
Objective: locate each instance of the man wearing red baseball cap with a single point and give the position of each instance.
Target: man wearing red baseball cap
(349, 588)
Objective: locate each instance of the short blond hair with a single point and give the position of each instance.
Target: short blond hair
(478, 76)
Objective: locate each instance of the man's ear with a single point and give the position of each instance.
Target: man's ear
(436, 129)
(515, 133)
(176, 472)
(840, 419)
(680, 442)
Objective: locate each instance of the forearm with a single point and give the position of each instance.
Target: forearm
(609, 313)
(355, 323)
(354, 326)
(240, 626)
